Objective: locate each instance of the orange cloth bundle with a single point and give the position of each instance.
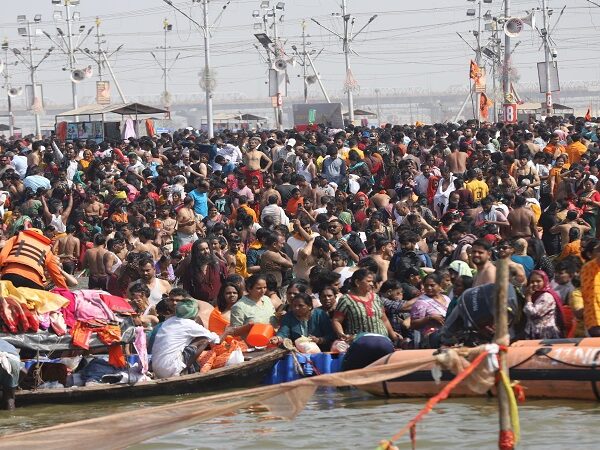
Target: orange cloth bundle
(219, 355)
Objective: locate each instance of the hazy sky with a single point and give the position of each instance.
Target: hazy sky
(410, 44)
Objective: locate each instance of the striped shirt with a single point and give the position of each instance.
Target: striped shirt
(356, 319)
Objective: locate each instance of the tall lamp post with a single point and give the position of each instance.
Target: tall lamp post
(36, 104)
(347, 37)
(271, 44)
(10, 92)
(166, 96)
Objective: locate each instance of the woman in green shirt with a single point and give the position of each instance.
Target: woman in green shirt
(361, 310)
(255, 307)
(304, 320)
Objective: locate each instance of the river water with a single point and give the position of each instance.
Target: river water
(349, 419)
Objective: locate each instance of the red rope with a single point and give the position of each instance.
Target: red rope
(443, 395)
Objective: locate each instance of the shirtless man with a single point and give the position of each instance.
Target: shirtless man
(186, 223)
(252, 160)
(522, 220)
(565, 226)
(158, 287)
(68, 248)
(146, 243)
(481, 255)
(167, 228)
(93, 260)
(274, 260)
(384, 251)
(457, 161)
(316, 252)
(268, 190)
(92, 207)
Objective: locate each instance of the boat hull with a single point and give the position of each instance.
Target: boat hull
(250, 373)
(546, 369)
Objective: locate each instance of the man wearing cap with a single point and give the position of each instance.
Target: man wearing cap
(179, 341)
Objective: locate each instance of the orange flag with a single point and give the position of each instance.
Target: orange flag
(588, 115)
(474, 71)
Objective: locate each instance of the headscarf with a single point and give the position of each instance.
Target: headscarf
(187, 309)
(546, 288)
(562, 321)
(461, 268)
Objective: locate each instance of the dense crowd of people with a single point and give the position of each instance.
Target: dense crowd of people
(326, 234)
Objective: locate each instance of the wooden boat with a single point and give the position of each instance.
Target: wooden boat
(558, 369)
(247, 374)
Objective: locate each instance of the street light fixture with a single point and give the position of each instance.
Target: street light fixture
(21, 18)
(265, 4)
(57, 15)
(22, 31)
(471, 12)
(37, 18)
(280, 5)
(258, 25)
(256, 13)
(264, 40)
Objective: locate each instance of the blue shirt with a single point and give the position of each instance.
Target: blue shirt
(200, 202)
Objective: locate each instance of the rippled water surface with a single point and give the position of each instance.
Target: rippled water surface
(350, 420)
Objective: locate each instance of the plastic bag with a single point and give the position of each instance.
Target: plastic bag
(339, 346)
(305, 345)
(236, 357)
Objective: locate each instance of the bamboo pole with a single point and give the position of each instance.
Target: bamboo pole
(506, 438)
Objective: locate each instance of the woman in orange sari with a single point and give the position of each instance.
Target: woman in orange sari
(555, 176)
(228, 295)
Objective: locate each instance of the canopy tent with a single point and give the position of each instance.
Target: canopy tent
(120, 108)
(362, 112)
(4, 127)
(224, 119)
(535, 107)
(98, 129)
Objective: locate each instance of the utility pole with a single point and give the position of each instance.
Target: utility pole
(277, 74)
(36, 104)
(99, 45)
(38, 128)
(547, 58)
(207, 71)
(347, 38)
(304, 61)
(378, 106)
(478, 61)
(166, 96)
(207, 81)
(275, 55)
(346, 46)
(506, 94)
(71, 52)
(7, 86)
